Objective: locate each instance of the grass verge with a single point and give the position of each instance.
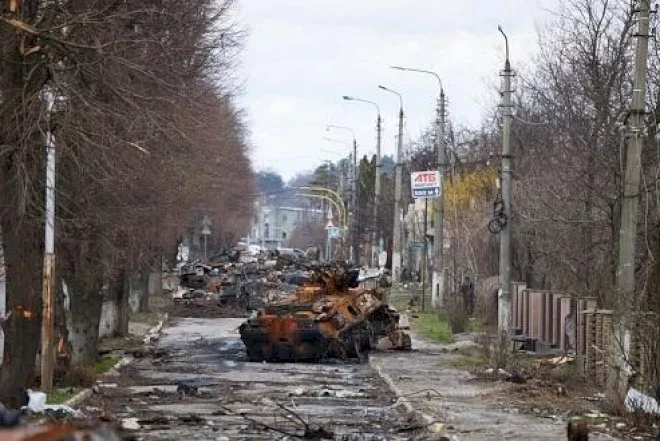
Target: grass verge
(60, 396)
(104, 364)
(148, 318)
(429, 325)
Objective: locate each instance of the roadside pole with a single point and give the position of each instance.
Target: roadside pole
(48, 314)
(425, 260)
(375, 248)
(438, 280)
(425, 185)
(398, 209)
(625, 272)
(504, 295)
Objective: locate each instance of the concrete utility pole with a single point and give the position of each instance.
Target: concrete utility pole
(374, 233)
(356, 219)
(397, 238)
(438, 282)
(438, 289)
(504, 295)
(625, 273)
(48, 319)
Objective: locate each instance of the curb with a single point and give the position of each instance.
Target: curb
(431, 426)
(402, 401)
(84, 394)
(88, 392)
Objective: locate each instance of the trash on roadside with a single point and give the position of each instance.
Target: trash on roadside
(506, 376)
(396, 340)
(327, 392)
(36, 401)
(130, 424)
(464, 347)
(10, 417)
(37, 404)
(637, 401)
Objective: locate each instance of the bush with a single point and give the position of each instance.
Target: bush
(455, 314)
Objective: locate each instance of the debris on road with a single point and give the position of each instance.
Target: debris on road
(329, 316)
(59, 432)
(637, 401)
(130, 424)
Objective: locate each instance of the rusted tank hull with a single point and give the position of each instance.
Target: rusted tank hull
(328, 318)
(299, 345)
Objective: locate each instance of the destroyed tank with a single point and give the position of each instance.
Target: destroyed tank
(329, 317)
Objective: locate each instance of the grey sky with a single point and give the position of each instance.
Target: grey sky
(301, 56)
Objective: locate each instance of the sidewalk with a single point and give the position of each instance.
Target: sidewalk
(429, 382)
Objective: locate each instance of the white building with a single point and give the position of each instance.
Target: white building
(272, 225)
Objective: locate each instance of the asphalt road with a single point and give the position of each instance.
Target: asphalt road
(239, 400)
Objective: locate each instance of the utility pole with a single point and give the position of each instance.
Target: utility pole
(48, 319)
(374, 233)
(379, 165)
(425, 260)
(625, 272)
(351, 205)
(504, 295)
(438, 281)
(356, 225)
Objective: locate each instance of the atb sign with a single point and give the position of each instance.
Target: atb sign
(425, 184)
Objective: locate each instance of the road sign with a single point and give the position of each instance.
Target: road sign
(334, 232)
(416, 245)
(425, 184)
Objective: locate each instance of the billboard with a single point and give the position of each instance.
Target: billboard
(425, 184)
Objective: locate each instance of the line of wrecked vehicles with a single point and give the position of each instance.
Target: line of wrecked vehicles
(299, 311)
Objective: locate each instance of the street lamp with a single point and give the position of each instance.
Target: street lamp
(354, 241)
(438, 283)
(345, 143)
(374, 234)
(398, 183)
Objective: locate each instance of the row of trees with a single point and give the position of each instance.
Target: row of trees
(569, 134)
(148, 141)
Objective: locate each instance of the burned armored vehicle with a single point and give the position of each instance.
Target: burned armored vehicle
(330, 316)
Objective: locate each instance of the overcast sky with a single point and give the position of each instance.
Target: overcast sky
(301, 56)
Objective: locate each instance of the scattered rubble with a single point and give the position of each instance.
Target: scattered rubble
(328, 316)
(637, 401)
(59, 432)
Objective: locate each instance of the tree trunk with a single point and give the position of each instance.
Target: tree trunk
(123, 310)
(22, 329)
(144, 291)
(80, 266)
(86, 303)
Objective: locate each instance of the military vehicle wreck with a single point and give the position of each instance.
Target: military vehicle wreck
(330, 316)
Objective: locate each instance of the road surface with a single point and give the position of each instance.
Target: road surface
(237, 399)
